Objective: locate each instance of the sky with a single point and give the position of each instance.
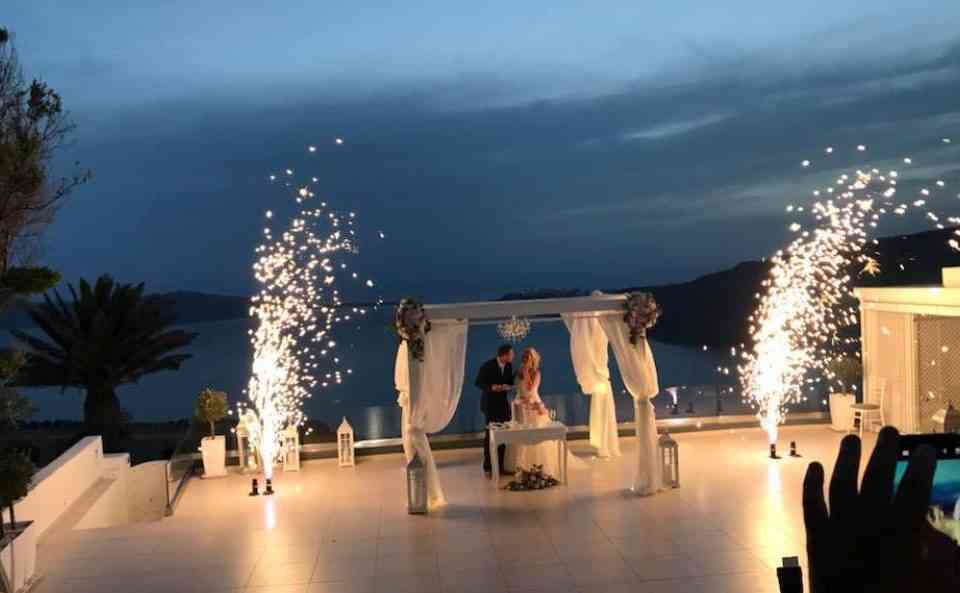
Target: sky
(498, 146)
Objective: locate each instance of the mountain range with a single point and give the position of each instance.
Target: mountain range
(711, 310)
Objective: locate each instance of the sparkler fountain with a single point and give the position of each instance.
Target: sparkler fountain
(807, 300)
(295, 310)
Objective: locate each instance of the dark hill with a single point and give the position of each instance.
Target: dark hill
(713, 310)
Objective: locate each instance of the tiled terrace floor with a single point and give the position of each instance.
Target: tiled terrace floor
(332, 530)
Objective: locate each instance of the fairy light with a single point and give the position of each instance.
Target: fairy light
(296, 309)
(807, 297)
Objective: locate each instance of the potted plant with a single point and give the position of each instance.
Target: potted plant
(212, 407)
(18, 543)
(845, 375)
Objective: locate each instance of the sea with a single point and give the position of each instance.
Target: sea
(367, 399)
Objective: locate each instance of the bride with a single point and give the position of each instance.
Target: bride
(528, 409)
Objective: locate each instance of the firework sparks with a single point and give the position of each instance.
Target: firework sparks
(807, 299)
(295, 310)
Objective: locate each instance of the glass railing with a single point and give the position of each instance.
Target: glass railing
(183, 463)
(186, 459)
(693, 402)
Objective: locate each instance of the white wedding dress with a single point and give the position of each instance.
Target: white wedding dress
(528, 409)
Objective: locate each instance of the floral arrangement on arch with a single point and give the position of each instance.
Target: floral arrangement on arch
(411, 323)
(642, 314)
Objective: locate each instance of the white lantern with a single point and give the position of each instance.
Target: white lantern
(345, 444)
(669, 460)
(245, 450)
(416, 486)
(248, 435)
(291, 449)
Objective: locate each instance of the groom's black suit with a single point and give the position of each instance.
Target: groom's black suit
(494, 404)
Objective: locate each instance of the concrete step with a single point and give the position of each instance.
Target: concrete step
(73, 517)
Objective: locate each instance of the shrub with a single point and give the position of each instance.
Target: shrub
(211, 407)
(16, 472)
(846, 372)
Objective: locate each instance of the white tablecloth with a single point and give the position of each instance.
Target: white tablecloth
(529, 435)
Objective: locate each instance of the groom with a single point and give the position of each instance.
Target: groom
(495, 380)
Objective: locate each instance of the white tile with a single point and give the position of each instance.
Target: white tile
(281, 574)
(417, 583)
(720, 561)
(669, 567)
(347, 531)
(595, 572)
(329, 570)
(301, 588)
(356, 586)
(553, 577)
(472, 581)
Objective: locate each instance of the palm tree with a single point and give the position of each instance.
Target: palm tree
(110, 335)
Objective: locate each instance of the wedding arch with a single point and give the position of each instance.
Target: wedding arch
(429, 372)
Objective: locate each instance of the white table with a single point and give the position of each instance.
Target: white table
(516, 434)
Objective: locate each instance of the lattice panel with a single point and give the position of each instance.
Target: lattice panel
(938, 366)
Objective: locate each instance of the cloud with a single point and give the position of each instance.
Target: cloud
(464, 171)
(675, 128)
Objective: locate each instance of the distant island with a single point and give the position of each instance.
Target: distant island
(711, 310)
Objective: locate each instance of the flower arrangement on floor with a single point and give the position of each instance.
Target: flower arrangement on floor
(411, 323)
(532, 479)
(642, 314)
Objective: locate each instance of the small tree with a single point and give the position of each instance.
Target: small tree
(107, 335)
(845, 371)
(211, 408)
(16, 472)
(33, 127)
(15, 408)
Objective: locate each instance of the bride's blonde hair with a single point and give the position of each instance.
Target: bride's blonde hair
(530, 359)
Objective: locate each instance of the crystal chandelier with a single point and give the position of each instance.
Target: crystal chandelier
(514, 329)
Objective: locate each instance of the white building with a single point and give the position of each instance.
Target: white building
(911, 350)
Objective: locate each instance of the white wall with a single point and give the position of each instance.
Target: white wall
(111, 505)
(99, 490)
(58, 485)
(147, 491)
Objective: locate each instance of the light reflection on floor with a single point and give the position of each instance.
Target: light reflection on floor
(736, 514)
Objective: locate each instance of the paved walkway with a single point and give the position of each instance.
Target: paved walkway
(332, 530)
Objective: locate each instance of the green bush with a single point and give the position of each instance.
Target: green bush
(211, 407)
(16, 472)
(846, 372)
(30, 280)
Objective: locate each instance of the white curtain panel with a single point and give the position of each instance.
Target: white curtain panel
(889, 345)
(401, 382)
(639, 374)
(589, 352)
(435, 387)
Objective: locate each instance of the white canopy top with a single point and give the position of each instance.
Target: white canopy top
(495, 310)
(920, 300)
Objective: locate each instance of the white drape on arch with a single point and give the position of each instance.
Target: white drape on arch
(401, 382)
(639, 374)
(435, 388)
(589, 352)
